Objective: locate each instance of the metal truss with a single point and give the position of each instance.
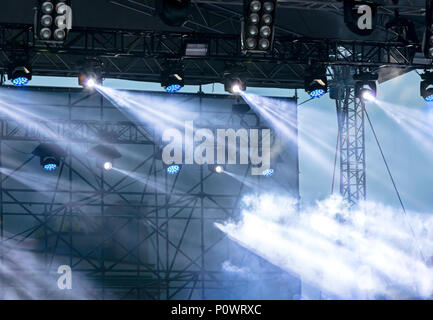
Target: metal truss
(351, 124)
(123, 239)
(138, 55)
(410, 8)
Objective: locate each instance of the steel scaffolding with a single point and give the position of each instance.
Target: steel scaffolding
(123, 238)
(351, 124)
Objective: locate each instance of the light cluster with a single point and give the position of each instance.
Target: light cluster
(55, 19)
(258, 33)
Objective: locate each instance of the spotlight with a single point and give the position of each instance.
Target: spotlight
(316, 83)
(257, 34)
(108, 165)
(217, 168)
(104, 156)
(365, 86)
(173, 12)
(426, 87)
(91, 75)
(20, 74)
(366, 90)
(369, 95)
(55, 19)
(268, 173)
(50, 155)
(234, 85)
(90, 83)
(173, 169)
(172, 77)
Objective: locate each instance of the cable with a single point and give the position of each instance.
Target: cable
(305, 101)
(335, 160)
(394, 185)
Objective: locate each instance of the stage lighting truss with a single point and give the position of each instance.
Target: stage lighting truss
(50, 155)
(20, 74)
(104, 155)
(426, 87)
(234, 84)
(258, 31)
(316, 83)
(54, 20)
(172, 78)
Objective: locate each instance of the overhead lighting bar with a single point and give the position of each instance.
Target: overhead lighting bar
(258, 29)
(54, 19)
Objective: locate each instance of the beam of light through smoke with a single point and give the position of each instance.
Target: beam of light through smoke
(417, 123)
(149, 109)
(28, 276)
(277, 113)
(148, 181)
(249, 182)
(363, 253)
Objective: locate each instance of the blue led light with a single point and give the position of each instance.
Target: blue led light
(20, 81)
(268, 173)
(173, 169)
(50, 166)
(318, 93)
(429, 98)
(173, 88)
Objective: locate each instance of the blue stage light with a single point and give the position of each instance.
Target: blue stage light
(268, 173)
(50, 166)
(173, 88)
(318, 93)
(173, 169)
(20, 81)
(429, 98)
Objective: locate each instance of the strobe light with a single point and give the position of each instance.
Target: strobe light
(20, 74)
(55, 19)
(172, 78)
(258, 25)
(104, 155)
(427, 87)
(316, 83)
(50, 155)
